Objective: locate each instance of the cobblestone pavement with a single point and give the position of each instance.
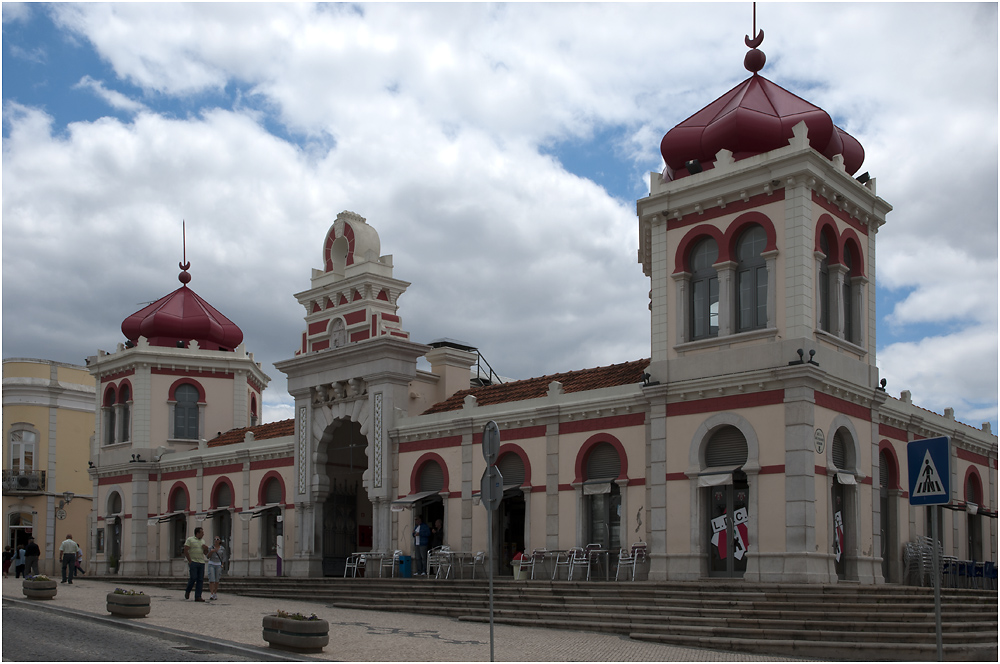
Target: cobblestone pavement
(371, 636)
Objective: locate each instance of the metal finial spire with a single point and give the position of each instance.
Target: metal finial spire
(754, 59)
(184, 265)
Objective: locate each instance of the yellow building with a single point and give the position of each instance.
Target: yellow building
(48, 416)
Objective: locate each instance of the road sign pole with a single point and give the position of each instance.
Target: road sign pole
(489, 546)
(935, 514)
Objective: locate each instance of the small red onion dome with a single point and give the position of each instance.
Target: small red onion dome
(756, 116)
(176, 319)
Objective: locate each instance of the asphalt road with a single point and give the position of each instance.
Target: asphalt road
(39, 636)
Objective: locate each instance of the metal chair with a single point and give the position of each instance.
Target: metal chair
(354, 561)
(442, 563)
(537, 560)
(579, 559)
(563, 560)
(478, 559)
(631, 559)
(392, 562)
(979, 575)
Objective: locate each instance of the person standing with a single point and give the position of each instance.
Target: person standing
(19, 559)
(195, 551)
(8, 556)
(31, 555)
(68, 550)
(437, 534)
(216, 559)
(421, 537)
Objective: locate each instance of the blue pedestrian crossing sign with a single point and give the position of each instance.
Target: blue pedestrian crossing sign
(929, 465)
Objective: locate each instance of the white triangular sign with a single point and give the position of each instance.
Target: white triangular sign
(928, 480)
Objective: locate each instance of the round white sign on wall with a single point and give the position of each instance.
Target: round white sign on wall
(820, 438)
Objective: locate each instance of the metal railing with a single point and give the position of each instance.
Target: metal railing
(23, 481)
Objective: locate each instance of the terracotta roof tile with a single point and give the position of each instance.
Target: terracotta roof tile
(534, 388)
(260, 432)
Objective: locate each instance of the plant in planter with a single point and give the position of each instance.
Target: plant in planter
(39, 587)
(128, 603)
(112, 564)
(296, 632)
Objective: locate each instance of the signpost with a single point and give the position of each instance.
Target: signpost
(490, 494)
(929, 464)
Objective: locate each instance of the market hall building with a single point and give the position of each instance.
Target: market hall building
(755, 442)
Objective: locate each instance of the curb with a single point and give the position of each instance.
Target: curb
(212, 645)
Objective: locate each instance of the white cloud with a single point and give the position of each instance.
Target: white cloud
(113, 98)
(430, 120)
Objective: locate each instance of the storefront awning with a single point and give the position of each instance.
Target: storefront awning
(163, 518)
(716, 478)
(257, 511)
(407, 501)
(596, 488)
(846, 478)
(201, 516)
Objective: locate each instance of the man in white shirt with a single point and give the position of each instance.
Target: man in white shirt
(68, 551)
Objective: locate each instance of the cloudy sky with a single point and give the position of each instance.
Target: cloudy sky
(497, 149)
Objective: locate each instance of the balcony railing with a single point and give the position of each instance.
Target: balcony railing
(23, 481)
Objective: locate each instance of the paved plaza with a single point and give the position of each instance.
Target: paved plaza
(233, 624)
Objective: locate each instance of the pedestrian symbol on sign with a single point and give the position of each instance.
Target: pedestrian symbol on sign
(929, 480)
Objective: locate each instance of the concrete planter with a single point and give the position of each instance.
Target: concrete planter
(33, 589)
(296, 635)
(128, 606)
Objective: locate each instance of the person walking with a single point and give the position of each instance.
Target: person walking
(79, 561)
(31, 555)
(8, 556)
(19, 561)
(68, 550)
(216, 559)
(195, 551)
(421, 537)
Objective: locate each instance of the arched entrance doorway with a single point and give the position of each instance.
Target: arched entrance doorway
(843, 499)
(222, 518)
(347, 510)
(510, 522)
(888, 481)
(726, 491)
(602, 496)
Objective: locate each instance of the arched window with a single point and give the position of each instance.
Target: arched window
(253, 410)
(974, 523)
(751, 280)
(22, 450)
(272, 492)
(824, 282)
(114, 504)
(186, 412)
(223, 496)
(727, 448)
(511, 467)
(124, 404)
(848, 298)
(109, 417)
(431, 477)
(842, 451)
(704, 290)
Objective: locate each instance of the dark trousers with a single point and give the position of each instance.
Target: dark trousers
(421, 556)
(30, 566)
(18, 571)
(196, 577)
(68, 566)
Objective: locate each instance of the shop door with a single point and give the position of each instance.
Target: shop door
(511, 530)
(222, 525)
(727, 529)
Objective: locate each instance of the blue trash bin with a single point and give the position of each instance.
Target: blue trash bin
(406, 567)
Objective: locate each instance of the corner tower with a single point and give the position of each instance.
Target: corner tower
(759, 242)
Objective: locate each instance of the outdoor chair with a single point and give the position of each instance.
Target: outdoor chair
(537, 560)
(579, 560)
(478, 559)
(354, 561)
(392, 562)
(629, 560)
(979, 575)
(439, 562)
(563, 560)
(990, 575)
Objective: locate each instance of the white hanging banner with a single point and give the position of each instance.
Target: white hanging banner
(594, 489)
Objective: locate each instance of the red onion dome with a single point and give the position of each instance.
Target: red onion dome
(756, 116)
(176, 319)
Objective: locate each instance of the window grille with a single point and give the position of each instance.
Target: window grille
(603, 462)
(432, 477)
(726, 448)
(511, 466)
